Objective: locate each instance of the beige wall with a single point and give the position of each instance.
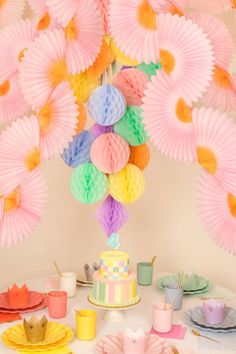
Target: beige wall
(164, 222)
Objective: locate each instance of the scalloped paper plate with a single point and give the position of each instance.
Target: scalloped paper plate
(188, 321)
(204, 285)
(35, 298)
(197, 315)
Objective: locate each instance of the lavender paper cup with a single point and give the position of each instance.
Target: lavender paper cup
(214, 311)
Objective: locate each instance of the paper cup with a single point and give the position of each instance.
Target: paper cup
(214, 311)
(144, 273)
(174, 296)
(57, 304)
(162, 317)
(86, 324)
(68, 283)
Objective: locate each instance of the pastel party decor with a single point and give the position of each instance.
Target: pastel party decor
(38, 7)
(81, 118)
(18, 296)
(149, 69)
(162, 317)
(215, 6)
(62, 10)
(35, 330)
(86, 321)
(140, 156)
(110, 153)
(111, 215)
(120, 56)
(88, 184)
(106, 105)
(171, 6)
(214, 311)
(103, 7)
(174, 295)
(131, 126)
(82, 86)
(144, 273)
(11, 10)
(44, 19)
(57, 304)
(134, 341)
(98, 130)
(128, 185)
(68, 283)
(78, 151)
(114, 241)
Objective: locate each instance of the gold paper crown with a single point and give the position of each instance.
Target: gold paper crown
(18, 297)
(35, 329)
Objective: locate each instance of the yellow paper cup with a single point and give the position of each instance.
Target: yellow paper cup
(86, 324)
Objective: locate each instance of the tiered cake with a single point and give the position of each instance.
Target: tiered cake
(114, 284)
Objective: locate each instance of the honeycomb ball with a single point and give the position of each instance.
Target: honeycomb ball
(149, 69)
(88, 185)
(78, 151)
(82, 118)
(98, 130)
(140, 156)
(110, 153)
(131, 127)
(128, 185)
(82, 86)
(106, 105)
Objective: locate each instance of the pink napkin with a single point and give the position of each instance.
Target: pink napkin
(177, 332)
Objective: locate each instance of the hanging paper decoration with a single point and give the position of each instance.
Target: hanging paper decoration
(217, 210)
(62, 10)
(175, 7)
(110, 153)
(216, 145)
(98, 130)
(106, 105)
(149, 69)
(81, 119)
(211, 6)
(78, 151)
(140, 156)
(88, 184)
(111, 215)
(43, 18)
(11, 10)
(113, 241)
(19, 152)
(131, 83)
(128, 185)
(131, 127)
(120, 56)
(167, 117)
(82, 86)
(22, 209)
(103, 7)
(38, 7)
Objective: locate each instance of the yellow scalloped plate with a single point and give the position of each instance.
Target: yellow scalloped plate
(69, 335)
(54, 333)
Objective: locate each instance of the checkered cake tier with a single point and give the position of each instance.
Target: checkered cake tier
(114, 265)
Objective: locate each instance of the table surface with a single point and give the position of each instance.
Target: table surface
(138, 317)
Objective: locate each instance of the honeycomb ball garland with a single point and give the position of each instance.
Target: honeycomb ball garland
(106, 105)
(128, 185)
(149, 69)
(88, 184)
(98, 130)
(110, 153)
(140, 156)
(131, 127)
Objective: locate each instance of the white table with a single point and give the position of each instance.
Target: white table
(137, 317)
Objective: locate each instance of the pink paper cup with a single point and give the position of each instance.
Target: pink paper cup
(162, 317)
(57, 304)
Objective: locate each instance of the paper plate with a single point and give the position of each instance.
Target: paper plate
(35, 299)
(38, 307)
(197, 315)
(188, 321)
(203, 284)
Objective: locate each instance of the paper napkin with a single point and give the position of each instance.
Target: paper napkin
(9, 317)
(177, 332)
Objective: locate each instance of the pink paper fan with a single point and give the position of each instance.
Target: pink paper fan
(22, 209)
(103, 7)
(186, 55)
(63, 10)
(44, 19)
(134, 27)
(167, 117)
(217, 210)
(219, 35)
(216, 145)
(38, 6)
(221, 94)
(43, 67)
(211, 6)
(19, 152)
(10, 11)
(14, 42)
(172, 6)
(57, 121)
(12, 102)
(84, 37)
(132, 83)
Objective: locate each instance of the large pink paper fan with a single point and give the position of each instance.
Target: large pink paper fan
(19, 152)
(171, 6)
(22, 209)
(57, 121)
(38, 6)
(219, 36)
(217, 210)
(211, 6)
(14, 41)
(43, 67)
(63, 10)
(84, 37)
(12, 102)
(43, 18)
(185, 54)
(134, 27)
(216, 145)
(10, 11)
(167, 117)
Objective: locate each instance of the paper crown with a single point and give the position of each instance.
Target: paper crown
(18, 297)
(35, 329)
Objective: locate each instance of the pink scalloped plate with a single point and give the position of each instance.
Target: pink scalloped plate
(38, 307)
(35, 298)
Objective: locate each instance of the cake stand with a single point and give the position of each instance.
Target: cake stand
(114, 313)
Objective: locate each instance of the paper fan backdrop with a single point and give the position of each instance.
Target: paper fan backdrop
(10, 11)
(120, 56)
(217, 210)
(167, 118)
(175, 7)
(211, 6)
(57, 121)
(103, 7)
(111, 215)
(82, 86)
(38, 6)
(140, 156)
(22, 209)
(149, 69)
(81, 119)
(131, 83)
(12, 102)
(110, 153)
(134, 28)
(14, 42)
(84, 37)
(63, 10)
(43, 67)
(19, 152)
(216, 145)
(97, 130)
(43, 18)
(219, 35)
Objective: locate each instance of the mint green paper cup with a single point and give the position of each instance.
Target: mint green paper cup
(144, 273)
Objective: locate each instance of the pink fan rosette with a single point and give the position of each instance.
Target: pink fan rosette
(216, 145)
(10, 11)
(211, 6)
(172, 6)
(21, 210)
(103, 8)
(63, 10)
(217, 210)
(43, 18)
(167, 117)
